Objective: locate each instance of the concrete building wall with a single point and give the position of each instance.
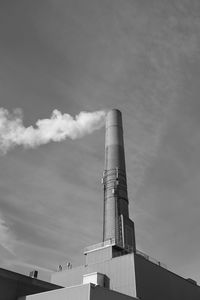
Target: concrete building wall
(13, 285)
(98, 293)
(69, 277)
(81, 292)
(120, 270)
(98, 256)
(155, 283)
(134, 275)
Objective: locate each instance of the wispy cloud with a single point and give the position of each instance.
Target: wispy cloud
(6, 236)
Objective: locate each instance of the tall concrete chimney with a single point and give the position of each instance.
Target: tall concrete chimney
(117, 227)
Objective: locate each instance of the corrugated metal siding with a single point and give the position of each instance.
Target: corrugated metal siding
(99, 293)
(121, 272)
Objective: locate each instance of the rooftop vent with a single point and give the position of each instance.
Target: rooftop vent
(97, 279)
(33, 274)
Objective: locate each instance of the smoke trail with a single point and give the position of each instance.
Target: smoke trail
(57, 128)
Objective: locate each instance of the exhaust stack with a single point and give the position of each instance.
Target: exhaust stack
(117, 227)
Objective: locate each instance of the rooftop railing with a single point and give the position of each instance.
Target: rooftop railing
(153, 260)
(110, 242)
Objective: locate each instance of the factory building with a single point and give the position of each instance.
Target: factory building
(114, 268)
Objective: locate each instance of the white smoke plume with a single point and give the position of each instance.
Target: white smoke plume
(57, 128)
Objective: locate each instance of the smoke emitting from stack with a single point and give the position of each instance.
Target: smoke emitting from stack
(57, 128)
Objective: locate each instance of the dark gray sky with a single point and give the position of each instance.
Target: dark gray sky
(141, 57)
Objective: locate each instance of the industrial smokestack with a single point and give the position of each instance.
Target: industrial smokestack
(116, 225)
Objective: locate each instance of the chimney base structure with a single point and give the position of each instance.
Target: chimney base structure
(118, 229)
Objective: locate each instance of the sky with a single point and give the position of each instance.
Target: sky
(141, 57)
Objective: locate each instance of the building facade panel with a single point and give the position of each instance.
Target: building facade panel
(119, 270)
(98, 293)
(154, 282)
(81, 292)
